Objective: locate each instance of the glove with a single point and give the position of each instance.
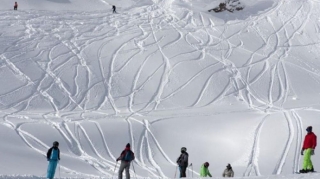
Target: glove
(302, 151)
(312, 152)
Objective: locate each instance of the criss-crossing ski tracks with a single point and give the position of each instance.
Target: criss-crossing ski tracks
(75, 66)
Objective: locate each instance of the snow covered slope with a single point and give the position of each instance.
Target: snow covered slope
(234, 88)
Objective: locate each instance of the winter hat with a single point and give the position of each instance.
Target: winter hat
(228, 166)
(309, 129)
(56, 143)
(183, 149)
(206, 164)
(128, 145)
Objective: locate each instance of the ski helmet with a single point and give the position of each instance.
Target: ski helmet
(206, 164)
(183, 149)
(228, 166)
(56, 143)
(309, 129)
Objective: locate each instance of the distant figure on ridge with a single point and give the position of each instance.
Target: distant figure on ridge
(53, 156)
(204, 171)
(228, 172)
(126, 157)
(114, 9)
(309, 144)
(15, 7)
(182, 162)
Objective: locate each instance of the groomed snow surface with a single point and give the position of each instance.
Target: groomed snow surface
(236, 88)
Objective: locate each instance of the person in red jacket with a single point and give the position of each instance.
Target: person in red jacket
(15, 7)
(309, 144)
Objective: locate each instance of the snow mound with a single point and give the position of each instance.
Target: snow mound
(252, 8)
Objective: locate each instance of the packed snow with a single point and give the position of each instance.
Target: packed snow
(236, 88)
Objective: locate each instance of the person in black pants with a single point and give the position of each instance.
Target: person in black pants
(114, 9)
(182, 162)
(15, 7)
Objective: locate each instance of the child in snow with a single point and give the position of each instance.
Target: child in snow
(126, 157)
(53, 156)
(15, 7)
(309, 144)
(204, 171)
(182, 162)
(228, 172)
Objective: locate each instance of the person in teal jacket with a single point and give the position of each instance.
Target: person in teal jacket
(204, 171)
(53, 156)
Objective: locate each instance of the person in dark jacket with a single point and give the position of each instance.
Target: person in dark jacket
(53, 156)
(228, 172)
(114, 9)
(126, 157)
(15, 7)
(309, 144)
(182, 162)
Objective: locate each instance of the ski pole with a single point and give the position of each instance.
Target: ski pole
(191, 170)
(134, 171)
(114, 171)
(59, 170)
(175, 173)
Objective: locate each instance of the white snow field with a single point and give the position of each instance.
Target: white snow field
(236, 88)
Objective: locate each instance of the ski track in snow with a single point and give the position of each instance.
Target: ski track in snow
(253, 160)
(64, 50)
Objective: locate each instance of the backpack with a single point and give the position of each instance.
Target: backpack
(128, 156)
(54, 154)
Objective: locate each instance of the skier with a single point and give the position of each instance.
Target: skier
(204, 171)
(15, 7)
(228, 172)
(309, 144)
(126, 157)
(114, 9)
(53, 156)
(182, 162)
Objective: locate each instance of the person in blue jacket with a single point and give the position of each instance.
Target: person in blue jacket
(53, 156)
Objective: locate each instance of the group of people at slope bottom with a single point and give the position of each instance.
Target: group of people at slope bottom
(127, 156)
(182, 162)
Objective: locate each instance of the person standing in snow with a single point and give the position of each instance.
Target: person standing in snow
(204, 170)
(126, 157)
(114, 9)
(228, 172)
(182, 162)
(53, 156)
(309, 144)
(15, 7)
